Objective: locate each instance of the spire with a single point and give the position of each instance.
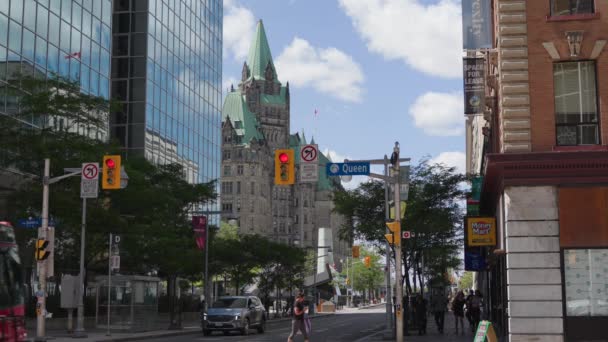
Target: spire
(259, 54)
(312, 140)
(303, 138)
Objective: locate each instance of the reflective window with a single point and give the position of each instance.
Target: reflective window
(4, 8)
(3, 30)
(52, 60)
(16, 10)
(41, 52)
(29, 20)
(54, 29)
(14, 37)
(42, 22)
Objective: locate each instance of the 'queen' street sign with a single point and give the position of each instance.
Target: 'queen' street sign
(348, 169)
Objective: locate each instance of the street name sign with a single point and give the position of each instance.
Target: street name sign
(33, 222)
(89, 184)
(309, 163)
(348, 169)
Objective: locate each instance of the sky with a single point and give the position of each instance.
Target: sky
(375, 71)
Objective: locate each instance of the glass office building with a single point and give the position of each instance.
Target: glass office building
(70, 38)
(166, 71)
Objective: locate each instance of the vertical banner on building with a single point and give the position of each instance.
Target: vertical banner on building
(474, 85)
(199, 226)
(476, 24)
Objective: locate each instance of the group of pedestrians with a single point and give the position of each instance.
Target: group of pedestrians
(469, 306)
(462, 306)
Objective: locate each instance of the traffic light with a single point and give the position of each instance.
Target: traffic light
(355, 252)
(41, 253)
(110, 177)
(394, 237)
(284, 167)
(368, 261)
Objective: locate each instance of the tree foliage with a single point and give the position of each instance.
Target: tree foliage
(433, 215)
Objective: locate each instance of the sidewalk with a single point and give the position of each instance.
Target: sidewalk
(99, 335)
(432, 334)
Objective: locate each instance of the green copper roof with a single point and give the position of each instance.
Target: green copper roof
(280, 99)
(259, 55)
(244, 121)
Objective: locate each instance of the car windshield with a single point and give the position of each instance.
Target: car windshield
(230, 303)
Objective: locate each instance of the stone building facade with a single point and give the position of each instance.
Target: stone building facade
(544, 159)
(256, 121)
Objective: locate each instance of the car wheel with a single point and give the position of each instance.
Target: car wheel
(206, 332)
(262, 326)
(245, 330)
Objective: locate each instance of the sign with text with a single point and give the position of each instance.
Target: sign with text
(348, 169)
(485, 332)
(474, 259)
(481, 231)
(89, 184)
(199, 226)
(476, 25)
(474, 85)
(309, 163)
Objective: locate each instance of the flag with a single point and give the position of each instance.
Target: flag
(73, 55)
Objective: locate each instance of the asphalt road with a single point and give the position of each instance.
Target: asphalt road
(344, 326)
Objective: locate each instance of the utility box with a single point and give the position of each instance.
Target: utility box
(69, 292)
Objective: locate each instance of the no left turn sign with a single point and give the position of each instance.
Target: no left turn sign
(309, 153)
(90, 171)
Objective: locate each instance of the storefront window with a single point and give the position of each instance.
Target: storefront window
(586, 282)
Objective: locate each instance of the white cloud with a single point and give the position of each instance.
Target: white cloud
(439, 114)
(451, 159)
(427, 37)
(339, 158)
(328, 70)
(334, 156)
(239, 29)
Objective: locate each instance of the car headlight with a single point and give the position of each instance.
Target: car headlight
(205, 317)
(237, 317)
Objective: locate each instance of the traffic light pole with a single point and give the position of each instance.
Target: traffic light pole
(79, 331)
(389, 297)
(41, 294)
(398, 270)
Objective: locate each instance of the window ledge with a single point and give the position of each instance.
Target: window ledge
(580, 148)
(571, 17)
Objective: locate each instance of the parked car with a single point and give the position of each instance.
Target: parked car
(239, 313)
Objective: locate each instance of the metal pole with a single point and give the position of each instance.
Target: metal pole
(301, 215)
(109, 282)
(79, 332)
(398, 270)
(389, 297)
(314, 284)
(206, 290)
(41, 304)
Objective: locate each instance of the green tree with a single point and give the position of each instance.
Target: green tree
(367, 279)
(433, 215)
(466, 281)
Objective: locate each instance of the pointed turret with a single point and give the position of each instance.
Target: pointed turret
(260, 56)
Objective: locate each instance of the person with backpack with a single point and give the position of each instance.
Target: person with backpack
(458, 310)
(300, 321)
(475, 309)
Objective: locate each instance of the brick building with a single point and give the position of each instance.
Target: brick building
(255, 122)
(542, 148)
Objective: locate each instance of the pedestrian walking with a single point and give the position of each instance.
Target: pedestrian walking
(468, 311)
(421, 314)
(438, 306)
(458, 309)
(300, 321)
(475, 309)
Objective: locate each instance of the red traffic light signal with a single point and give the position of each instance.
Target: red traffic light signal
(110, 163)
(284, 158)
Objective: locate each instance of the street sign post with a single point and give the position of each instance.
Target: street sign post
(89, 184)
(309, 163)
(348, 169)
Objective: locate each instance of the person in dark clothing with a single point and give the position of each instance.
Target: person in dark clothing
(458, 309)
(468, 312)
(298, 321)
(438, 305)
(474, 305)
(421, 315)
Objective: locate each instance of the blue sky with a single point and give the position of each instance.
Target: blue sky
(377, 71)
